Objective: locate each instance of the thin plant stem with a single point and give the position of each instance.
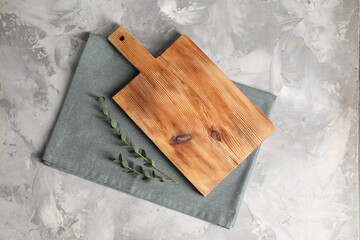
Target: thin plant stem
(145, 159)
(131, 147)
(142, 174)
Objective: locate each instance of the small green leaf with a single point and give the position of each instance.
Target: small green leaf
(136, 148)
(120, 157)
(147, 174)
(162, 180)
(113, 123)
(106, 111)
(131, 151)
(141, 170)
(143, 152)
(153, 173)
(116, 161)
(125, 164)
(123, 137)
(152, 163)
(144, 178)
(101, 99)
(147, 165)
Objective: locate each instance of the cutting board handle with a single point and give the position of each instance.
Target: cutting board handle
(131, 49)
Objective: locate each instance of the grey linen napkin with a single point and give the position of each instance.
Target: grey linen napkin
(83, 144)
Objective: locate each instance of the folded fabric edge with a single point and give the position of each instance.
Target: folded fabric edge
(76, 170)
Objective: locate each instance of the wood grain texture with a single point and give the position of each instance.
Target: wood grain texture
(192, 112)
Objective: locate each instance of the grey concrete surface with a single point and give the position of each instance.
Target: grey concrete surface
(305, 184)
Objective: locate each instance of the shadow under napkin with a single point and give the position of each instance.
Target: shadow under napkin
(82, 142)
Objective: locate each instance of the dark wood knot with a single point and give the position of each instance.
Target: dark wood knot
(181, 138)
(215, 135)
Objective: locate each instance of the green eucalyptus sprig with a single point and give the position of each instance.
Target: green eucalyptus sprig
(136, 151)
(137, 169)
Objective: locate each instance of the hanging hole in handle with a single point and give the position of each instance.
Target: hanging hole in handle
(122, 38)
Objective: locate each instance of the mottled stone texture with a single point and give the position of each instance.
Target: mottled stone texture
(305, 185)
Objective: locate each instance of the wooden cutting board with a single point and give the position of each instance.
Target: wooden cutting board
(192, 112)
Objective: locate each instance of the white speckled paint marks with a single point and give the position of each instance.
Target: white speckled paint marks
(185, 13)
(304, 185)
